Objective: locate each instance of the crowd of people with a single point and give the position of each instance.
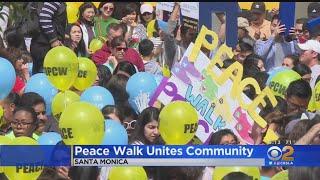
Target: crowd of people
(138, 42)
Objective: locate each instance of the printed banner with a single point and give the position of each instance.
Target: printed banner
(189, 10)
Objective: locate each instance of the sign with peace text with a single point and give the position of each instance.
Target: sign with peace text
(216, 95)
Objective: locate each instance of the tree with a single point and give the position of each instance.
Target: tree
(16, 12)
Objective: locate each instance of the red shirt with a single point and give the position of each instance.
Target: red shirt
(131, 55)
(19, 85)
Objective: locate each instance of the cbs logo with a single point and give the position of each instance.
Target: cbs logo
(285, 154)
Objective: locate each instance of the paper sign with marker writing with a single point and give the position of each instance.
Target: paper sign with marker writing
(216, 95)
(216, 109)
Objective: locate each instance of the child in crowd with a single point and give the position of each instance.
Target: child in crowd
(146, 51)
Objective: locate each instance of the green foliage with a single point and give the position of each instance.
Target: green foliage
(16, 11)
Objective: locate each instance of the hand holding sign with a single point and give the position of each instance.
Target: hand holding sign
(278, 29)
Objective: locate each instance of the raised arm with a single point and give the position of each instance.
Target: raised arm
(46, 21)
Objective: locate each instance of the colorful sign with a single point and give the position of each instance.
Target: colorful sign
(216, 95)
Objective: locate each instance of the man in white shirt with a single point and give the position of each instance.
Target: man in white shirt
(310, 56)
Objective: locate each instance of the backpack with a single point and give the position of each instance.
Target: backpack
(28, 25)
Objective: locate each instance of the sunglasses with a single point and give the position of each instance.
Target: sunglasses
(121, 48)
(107, 8)
(130, 125)
(146, 13)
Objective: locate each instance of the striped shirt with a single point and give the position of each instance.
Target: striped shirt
(137, 142)
(46, 19)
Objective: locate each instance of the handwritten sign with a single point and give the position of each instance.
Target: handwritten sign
(216, 95)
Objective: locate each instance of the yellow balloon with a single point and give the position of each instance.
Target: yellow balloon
(96, 44)
(166, 71)
(4, 140)
(82, 123)
(61, 67)
(96, 4)
(61, 101)
(316, 96)
(72, 11)
(178, 123)
(154, 4)
(1, 111)
(282, 175)
(23, 140)
(151, 28)
(128, 173)
(24, 172)
(87, 74)
(220, 172)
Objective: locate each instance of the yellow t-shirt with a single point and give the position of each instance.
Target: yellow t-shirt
(11, 136)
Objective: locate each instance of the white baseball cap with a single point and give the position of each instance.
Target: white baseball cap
(243, 22)
(313, 45)
(146, 8)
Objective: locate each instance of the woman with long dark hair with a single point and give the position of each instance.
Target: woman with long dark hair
(74, 40)
(126, 68)
(147, 128)
(87, 11)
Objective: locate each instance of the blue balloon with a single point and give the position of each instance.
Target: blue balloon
(141, 82)
(158, 79)
(8, 77)
(49, 138)
(115, 133)
(163, 25)
(98, 96)
(140, 88)
(30, 66)
(40, 84)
